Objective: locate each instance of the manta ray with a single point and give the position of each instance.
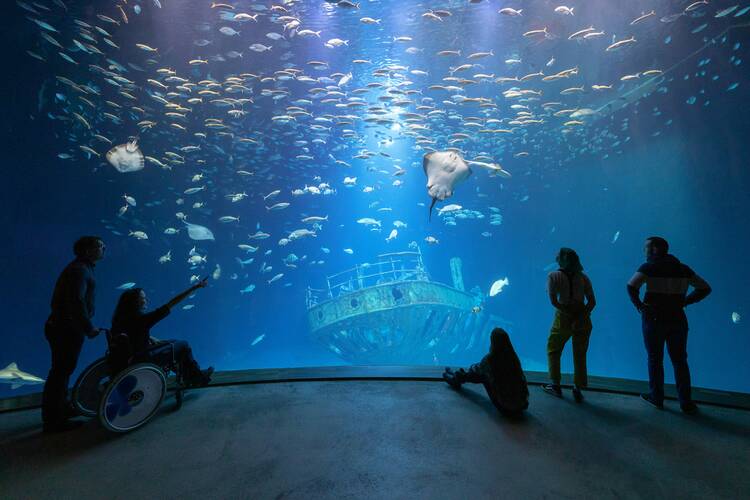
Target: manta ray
(444, 171)
(126, 157)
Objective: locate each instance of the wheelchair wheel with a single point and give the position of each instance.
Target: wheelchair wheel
(132, 398)
(91, 384)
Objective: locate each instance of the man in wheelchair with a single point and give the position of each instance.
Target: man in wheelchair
(130, 341)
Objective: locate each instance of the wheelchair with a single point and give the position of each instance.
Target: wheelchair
(125, 399)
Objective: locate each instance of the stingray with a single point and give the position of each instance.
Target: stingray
(126, 157)
(198, 233)
(444, 171)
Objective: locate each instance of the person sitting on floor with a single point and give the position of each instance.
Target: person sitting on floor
(133, 322)
(501, 374)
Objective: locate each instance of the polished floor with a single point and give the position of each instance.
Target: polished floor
(384, 439)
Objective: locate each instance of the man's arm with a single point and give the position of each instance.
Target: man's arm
(701, 289)
(80, 312)
(634, 287)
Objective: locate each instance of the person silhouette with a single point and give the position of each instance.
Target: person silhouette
(663, 318)
(501, 374)
(68, 324)
(131, 336)
(572, 295)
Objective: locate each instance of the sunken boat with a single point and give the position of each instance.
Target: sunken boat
(391, 312)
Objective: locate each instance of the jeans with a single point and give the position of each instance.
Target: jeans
(674, 333)
(65, 344)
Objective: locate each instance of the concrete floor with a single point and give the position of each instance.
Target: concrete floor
(384, 439)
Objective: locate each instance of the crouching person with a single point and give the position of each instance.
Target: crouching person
(501, 374)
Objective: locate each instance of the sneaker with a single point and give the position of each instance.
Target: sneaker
(450, 378)
(647, 398)
(577, 395)
(66, 425)
(553, 389)
(689, 408)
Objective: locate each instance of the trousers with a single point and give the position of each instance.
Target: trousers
(673, 332)
(561, 331)
(65, 345)
(176, 352)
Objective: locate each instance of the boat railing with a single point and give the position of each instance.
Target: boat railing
(389, 267)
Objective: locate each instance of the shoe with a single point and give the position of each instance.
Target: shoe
(450, 378)
(577, 395)
(689, 408)
(205, 377)
(553, 389)
(65, 425)
(647, 398)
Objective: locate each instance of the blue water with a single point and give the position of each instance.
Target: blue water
(672, 162)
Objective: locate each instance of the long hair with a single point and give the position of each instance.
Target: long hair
(502, 350)
(127, 307)
(569, 261)
(510, 381)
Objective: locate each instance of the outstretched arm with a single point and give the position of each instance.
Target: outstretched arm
(182, 296)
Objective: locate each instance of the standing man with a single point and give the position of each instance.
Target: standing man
(662, 311)
(68, 323)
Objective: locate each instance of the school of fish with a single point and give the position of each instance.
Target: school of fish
(254, 114)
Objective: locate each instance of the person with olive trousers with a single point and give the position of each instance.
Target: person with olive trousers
(572, 295)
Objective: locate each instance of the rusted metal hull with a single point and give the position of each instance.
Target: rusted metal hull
(405, 322)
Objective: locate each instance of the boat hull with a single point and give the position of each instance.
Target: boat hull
(405, 322)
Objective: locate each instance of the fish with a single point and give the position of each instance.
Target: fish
(618, 45)
(14, 376)
(642, 17)
(139, 235)
(226, 30)
(257, 339)
(126, 286)
(259, 235)
(276, 277)
(498, 286)
(197, 232)
(736, 317)
(562, 9)
(507, 11)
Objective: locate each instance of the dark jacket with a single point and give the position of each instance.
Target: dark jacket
(138, 329)
(73, 298)
(506, 385)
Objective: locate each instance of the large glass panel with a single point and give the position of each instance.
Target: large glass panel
(284, 150)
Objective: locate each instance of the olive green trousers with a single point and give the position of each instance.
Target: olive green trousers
(563, 328)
